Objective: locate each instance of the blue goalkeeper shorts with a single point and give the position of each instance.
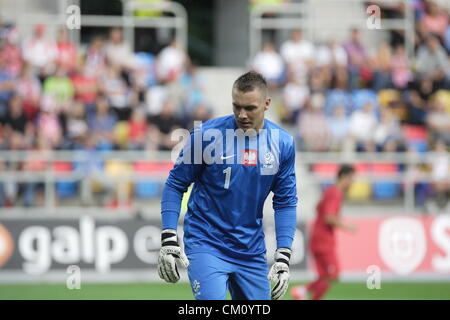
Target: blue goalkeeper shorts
(211, 277)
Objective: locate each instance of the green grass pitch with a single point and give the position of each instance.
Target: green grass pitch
(162, 291)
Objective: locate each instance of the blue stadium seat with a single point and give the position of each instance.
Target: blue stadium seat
(65, 188)
(147, 190)
(418, 145)
(385, 190)
(337, 97)
(361, 96)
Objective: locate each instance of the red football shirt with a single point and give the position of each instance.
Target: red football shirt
(322, 238)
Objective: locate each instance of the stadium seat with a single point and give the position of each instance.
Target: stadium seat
(419, 146)
(360, 190)
(326, 171)
(115, 169)
(412, 132)
(362, 96)
(443, 96)
(386, 96)
(149, 189)
(385, 190)
(417, 137)
(121, 131)
(64, 188)
(146, 63)
(337, 97)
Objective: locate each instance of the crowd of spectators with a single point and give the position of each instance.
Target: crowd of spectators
(345, 97)
(55, 95)
(334, 92)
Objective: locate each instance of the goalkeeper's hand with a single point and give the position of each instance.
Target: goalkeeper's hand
(279, 273)
(169, 255)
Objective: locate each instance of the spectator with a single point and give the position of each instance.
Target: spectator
(35, 163)
(387, 130)
(331, 55)
(435, 20)
(49, 126)
(432, 62)
(165, 123)
(10, 52)
(438, 121)
(447, 39)
(362, 125)
(40, 52)
(171, 63)
(298, 53)
(400, 68)
(119, 52)
(382, 68)
(67, 52)
(295, 96)
(76, 123)
(313, 126)
(320, 80)
(16, 119)
(338, 124)
(7, 84)
(114, 87)
(102, 124)
(358, 61)
(138, 129)
(416, 108)
(440, 174)
(29, 89)
(59, 86)
(85, 86)
(95, 60)
(270, 64)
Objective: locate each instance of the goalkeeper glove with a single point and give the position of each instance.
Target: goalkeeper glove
(279, 272)
(169, 255)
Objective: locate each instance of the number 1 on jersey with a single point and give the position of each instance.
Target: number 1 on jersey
(227, 172)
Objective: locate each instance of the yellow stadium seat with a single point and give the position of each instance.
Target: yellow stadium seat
(360, 190)
(387, 96)
(116, 169)
(121, 133)
(444, 97)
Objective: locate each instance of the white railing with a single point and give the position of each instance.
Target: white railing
(127, 20)
(408, 177)
(302, 16)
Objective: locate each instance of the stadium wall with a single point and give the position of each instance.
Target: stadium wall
(403, 248)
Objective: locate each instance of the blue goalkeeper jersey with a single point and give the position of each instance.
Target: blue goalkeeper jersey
(232, 174)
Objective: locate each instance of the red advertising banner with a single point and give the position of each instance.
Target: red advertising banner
(402, 245)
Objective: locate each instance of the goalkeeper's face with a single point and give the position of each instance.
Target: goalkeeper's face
(249, 108)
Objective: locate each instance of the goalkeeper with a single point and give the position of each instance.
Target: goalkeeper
(223, 230)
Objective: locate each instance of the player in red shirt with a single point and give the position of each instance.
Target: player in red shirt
(322, 241)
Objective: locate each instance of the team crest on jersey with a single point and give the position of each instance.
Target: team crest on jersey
(196, 288)
(250, 157)
(269, 159)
